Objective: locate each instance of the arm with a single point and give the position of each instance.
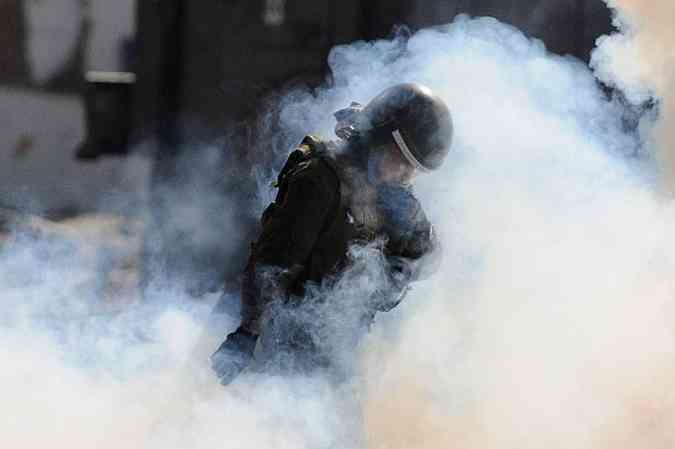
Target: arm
(412, 250)
(290, 227)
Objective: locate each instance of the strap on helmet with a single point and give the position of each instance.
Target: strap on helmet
(400, 142)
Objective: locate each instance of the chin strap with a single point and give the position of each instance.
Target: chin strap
(400, 142)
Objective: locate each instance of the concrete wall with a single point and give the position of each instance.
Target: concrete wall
(41, 128)
(53, 29)
(37, 168)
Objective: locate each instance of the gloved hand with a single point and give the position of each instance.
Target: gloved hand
(410, 233)
(399, 209)
(233, 355)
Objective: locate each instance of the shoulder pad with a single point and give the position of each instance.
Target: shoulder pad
(298, 159)
(312, 144)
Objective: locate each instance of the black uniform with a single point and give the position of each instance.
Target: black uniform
(334, 203)
(324, 205)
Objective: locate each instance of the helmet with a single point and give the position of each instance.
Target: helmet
(414, 118)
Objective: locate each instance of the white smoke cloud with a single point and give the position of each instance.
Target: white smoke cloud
(639, 60)
(547, 325)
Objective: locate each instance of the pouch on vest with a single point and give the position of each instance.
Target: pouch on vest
(307, 148)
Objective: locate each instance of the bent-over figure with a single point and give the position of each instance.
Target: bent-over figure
(332, 195)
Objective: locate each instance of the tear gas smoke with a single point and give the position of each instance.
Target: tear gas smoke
(549, 323)
(640, 61)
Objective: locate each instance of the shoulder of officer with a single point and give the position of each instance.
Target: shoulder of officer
(310, 161)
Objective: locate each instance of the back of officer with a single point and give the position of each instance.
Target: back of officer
(333, 195)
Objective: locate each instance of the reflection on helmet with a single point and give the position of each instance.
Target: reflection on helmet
(409, 115)
(416, 119)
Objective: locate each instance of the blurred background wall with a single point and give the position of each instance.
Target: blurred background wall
(179, 87)
(46, 48)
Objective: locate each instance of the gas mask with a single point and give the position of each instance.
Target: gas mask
(351, 122)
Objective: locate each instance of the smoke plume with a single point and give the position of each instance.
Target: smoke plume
(640, 61)
(549, 323)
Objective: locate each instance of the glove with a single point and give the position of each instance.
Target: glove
(399, 209)
(410, 233)
(234, 355)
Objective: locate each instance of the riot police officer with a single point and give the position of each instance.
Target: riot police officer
(336, 194)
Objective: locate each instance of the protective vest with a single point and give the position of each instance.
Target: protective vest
(307, 230)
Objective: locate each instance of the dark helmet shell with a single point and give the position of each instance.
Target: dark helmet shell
(416, 119)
